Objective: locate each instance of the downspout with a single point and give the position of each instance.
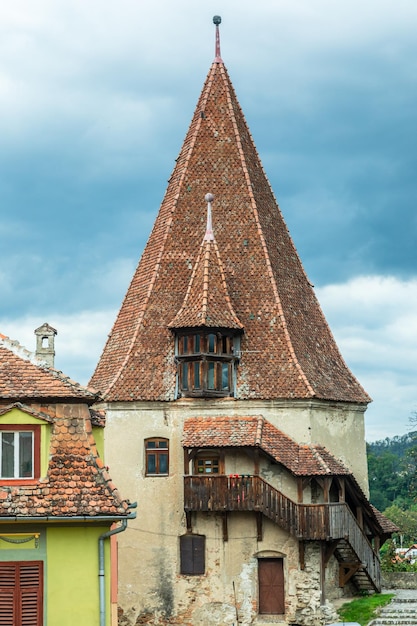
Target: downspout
(101, 573)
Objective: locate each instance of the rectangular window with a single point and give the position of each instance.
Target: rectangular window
(212, 343)
(19, 452)
(210, 375)
(192, 554)
(197, 383)
(207, 465)
(157, 457)
(184, 376)
(21, 593)
(225, 376)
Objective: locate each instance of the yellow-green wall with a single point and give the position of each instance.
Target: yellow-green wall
(17, 417)
(71, 582)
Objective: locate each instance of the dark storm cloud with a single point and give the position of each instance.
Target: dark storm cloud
(95, 101)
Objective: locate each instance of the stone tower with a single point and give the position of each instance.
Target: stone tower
(231, 415)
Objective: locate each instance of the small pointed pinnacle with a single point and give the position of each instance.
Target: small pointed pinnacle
(217, 20)
(209, 236)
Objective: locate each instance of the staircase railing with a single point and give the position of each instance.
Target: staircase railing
(320, 522)
(343, 524)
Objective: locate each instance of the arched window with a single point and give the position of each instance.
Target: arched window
(206, 362)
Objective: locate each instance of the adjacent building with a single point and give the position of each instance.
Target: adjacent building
(231, 415)
(59, 509)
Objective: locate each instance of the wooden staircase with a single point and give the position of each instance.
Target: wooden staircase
(331, 523)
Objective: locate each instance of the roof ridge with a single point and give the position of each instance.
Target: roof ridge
(21, 352)
(259, 430)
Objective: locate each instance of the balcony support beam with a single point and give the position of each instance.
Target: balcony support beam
(259, 526)
(225, 528)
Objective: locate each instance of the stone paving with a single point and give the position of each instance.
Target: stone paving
(401, 611)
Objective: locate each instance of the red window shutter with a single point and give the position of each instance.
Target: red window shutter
(7, 593)
(21, 593)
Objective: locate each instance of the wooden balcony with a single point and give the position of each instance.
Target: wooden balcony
(333, 522)
(252, 493)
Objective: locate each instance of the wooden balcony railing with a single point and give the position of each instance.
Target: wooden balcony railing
(319, 522)
(343, 524)
(252, 493)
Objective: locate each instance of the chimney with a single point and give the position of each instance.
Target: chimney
(45, 340)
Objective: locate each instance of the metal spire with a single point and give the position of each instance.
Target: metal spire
(217, 20)
(209, 229)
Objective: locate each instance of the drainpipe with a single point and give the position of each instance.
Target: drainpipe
(101, 574)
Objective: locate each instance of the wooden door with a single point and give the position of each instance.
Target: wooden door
(271, 586)
(21, 593)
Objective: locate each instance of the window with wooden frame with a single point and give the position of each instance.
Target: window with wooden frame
(209, 462)
(19, 453)
(21, 593)
(156, 456)
(192, 554)
(206, 363)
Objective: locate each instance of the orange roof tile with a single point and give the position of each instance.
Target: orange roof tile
(255, 431)
(287, 350)
(24, 377)
(77, 483)
(207, 301)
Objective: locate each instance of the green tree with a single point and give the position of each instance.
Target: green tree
(406, 522)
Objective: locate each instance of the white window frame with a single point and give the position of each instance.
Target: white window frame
(16, 463)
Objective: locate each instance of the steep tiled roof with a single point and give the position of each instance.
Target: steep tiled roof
(77, 483)
(255, 431)
(387, 526)
(207, 301)
(287, 350)
(24, 377)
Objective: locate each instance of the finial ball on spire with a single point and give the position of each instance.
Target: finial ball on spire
(217, 20)
(209, 197)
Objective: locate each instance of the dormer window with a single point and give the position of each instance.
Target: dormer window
(206, 363)
(19, 453)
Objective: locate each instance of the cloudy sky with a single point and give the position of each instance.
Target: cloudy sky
(95, 101)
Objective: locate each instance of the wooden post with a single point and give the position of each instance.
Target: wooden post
(225, 529)
(259, 526)
(302, 554)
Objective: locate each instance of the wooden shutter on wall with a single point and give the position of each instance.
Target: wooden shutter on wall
(21, 593)
(192, 554)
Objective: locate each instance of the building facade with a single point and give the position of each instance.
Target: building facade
(59, 510)
(231, 416)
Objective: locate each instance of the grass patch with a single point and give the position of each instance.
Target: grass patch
(364, 609)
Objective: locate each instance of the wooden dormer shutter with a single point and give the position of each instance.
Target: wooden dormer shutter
(21, 593)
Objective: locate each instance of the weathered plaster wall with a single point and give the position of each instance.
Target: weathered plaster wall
(151, 589)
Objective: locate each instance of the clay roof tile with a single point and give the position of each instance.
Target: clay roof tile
(288, 350)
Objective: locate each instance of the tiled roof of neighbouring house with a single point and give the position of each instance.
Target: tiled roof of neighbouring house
(287, 349)
(76, 484)
(24, 377)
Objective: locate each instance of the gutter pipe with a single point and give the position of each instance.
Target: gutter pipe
(101, 571)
